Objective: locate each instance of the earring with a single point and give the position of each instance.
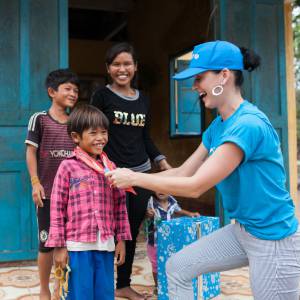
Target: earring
(217, 90)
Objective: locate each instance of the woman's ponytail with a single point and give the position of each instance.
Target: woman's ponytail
(250, 59)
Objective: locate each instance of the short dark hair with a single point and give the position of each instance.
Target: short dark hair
(86, 116)
(61, 76)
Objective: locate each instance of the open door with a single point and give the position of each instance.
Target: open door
(34, 34)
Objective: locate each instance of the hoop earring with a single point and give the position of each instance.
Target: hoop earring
(217, 90)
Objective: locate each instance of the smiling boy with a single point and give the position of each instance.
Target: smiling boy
(47, 144)
(87, 214)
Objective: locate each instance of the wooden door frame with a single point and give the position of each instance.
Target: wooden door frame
(291, 100)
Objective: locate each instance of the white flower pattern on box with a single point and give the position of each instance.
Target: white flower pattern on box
(175, 234)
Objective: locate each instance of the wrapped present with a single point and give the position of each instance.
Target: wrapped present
(172, 236)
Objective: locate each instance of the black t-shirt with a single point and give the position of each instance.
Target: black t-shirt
(129, 143)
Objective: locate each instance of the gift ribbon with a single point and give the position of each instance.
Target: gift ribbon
(95, 165)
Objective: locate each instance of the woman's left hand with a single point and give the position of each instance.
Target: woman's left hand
(121, 178)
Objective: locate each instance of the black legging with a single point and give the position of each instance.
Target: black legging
(136, 206)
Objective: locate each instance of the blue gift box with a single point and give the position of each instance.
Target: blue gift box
(172, 236)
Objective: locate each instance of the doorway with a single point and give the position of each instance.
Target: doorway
(157, 30)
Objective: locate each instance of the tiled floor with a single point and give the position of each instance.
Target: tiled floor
(22, 283)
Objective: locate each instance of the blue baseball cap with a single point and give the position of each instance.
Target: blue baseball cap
(216, 55)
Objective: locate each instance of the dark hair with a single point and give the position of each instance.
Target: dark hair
(251, 61)
(115, 50)
(86, 116)
(61, 76)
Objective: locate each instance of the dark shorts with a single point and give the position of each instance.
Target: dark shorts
(43, 217)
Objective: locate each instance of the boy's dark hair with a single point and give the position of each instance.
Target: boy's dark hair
(85, 116)
(61, 76)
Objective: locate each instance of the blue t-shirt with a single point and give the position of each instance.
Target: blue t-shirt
(254, 193)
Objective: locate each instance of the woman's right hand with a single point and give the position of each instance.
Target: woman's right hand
(38, 194)
(60, 257)
(121, 178)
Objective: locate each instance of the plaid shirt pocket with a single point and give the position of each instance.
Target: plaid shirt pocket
(80, 183)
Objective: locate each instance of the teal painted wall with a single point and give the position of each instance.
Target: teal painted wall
(259, 25)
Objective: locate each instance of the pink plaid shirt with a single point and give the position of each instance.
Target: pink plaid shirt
(82, 203)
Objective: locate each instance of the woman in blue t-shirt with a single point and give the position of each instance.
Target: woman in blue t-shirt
(240, 154)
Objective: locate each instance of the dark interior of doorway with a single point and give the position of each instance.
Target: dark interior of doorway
(97, 25)
(107, 20)
(107, 23)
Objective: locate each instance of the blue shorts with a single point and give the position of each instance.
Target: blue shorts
(92, 275)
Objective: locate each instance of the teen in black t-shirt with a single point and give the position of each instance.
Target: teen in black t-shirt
(129, 143)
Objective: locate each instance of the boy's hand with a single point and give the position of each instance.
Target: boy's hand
(150, 213)
(38, 194)
(60, 257)
(120, 253)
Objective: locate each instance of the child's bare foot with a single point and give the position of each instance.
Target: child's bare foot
(129, 293)
(45, 295)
